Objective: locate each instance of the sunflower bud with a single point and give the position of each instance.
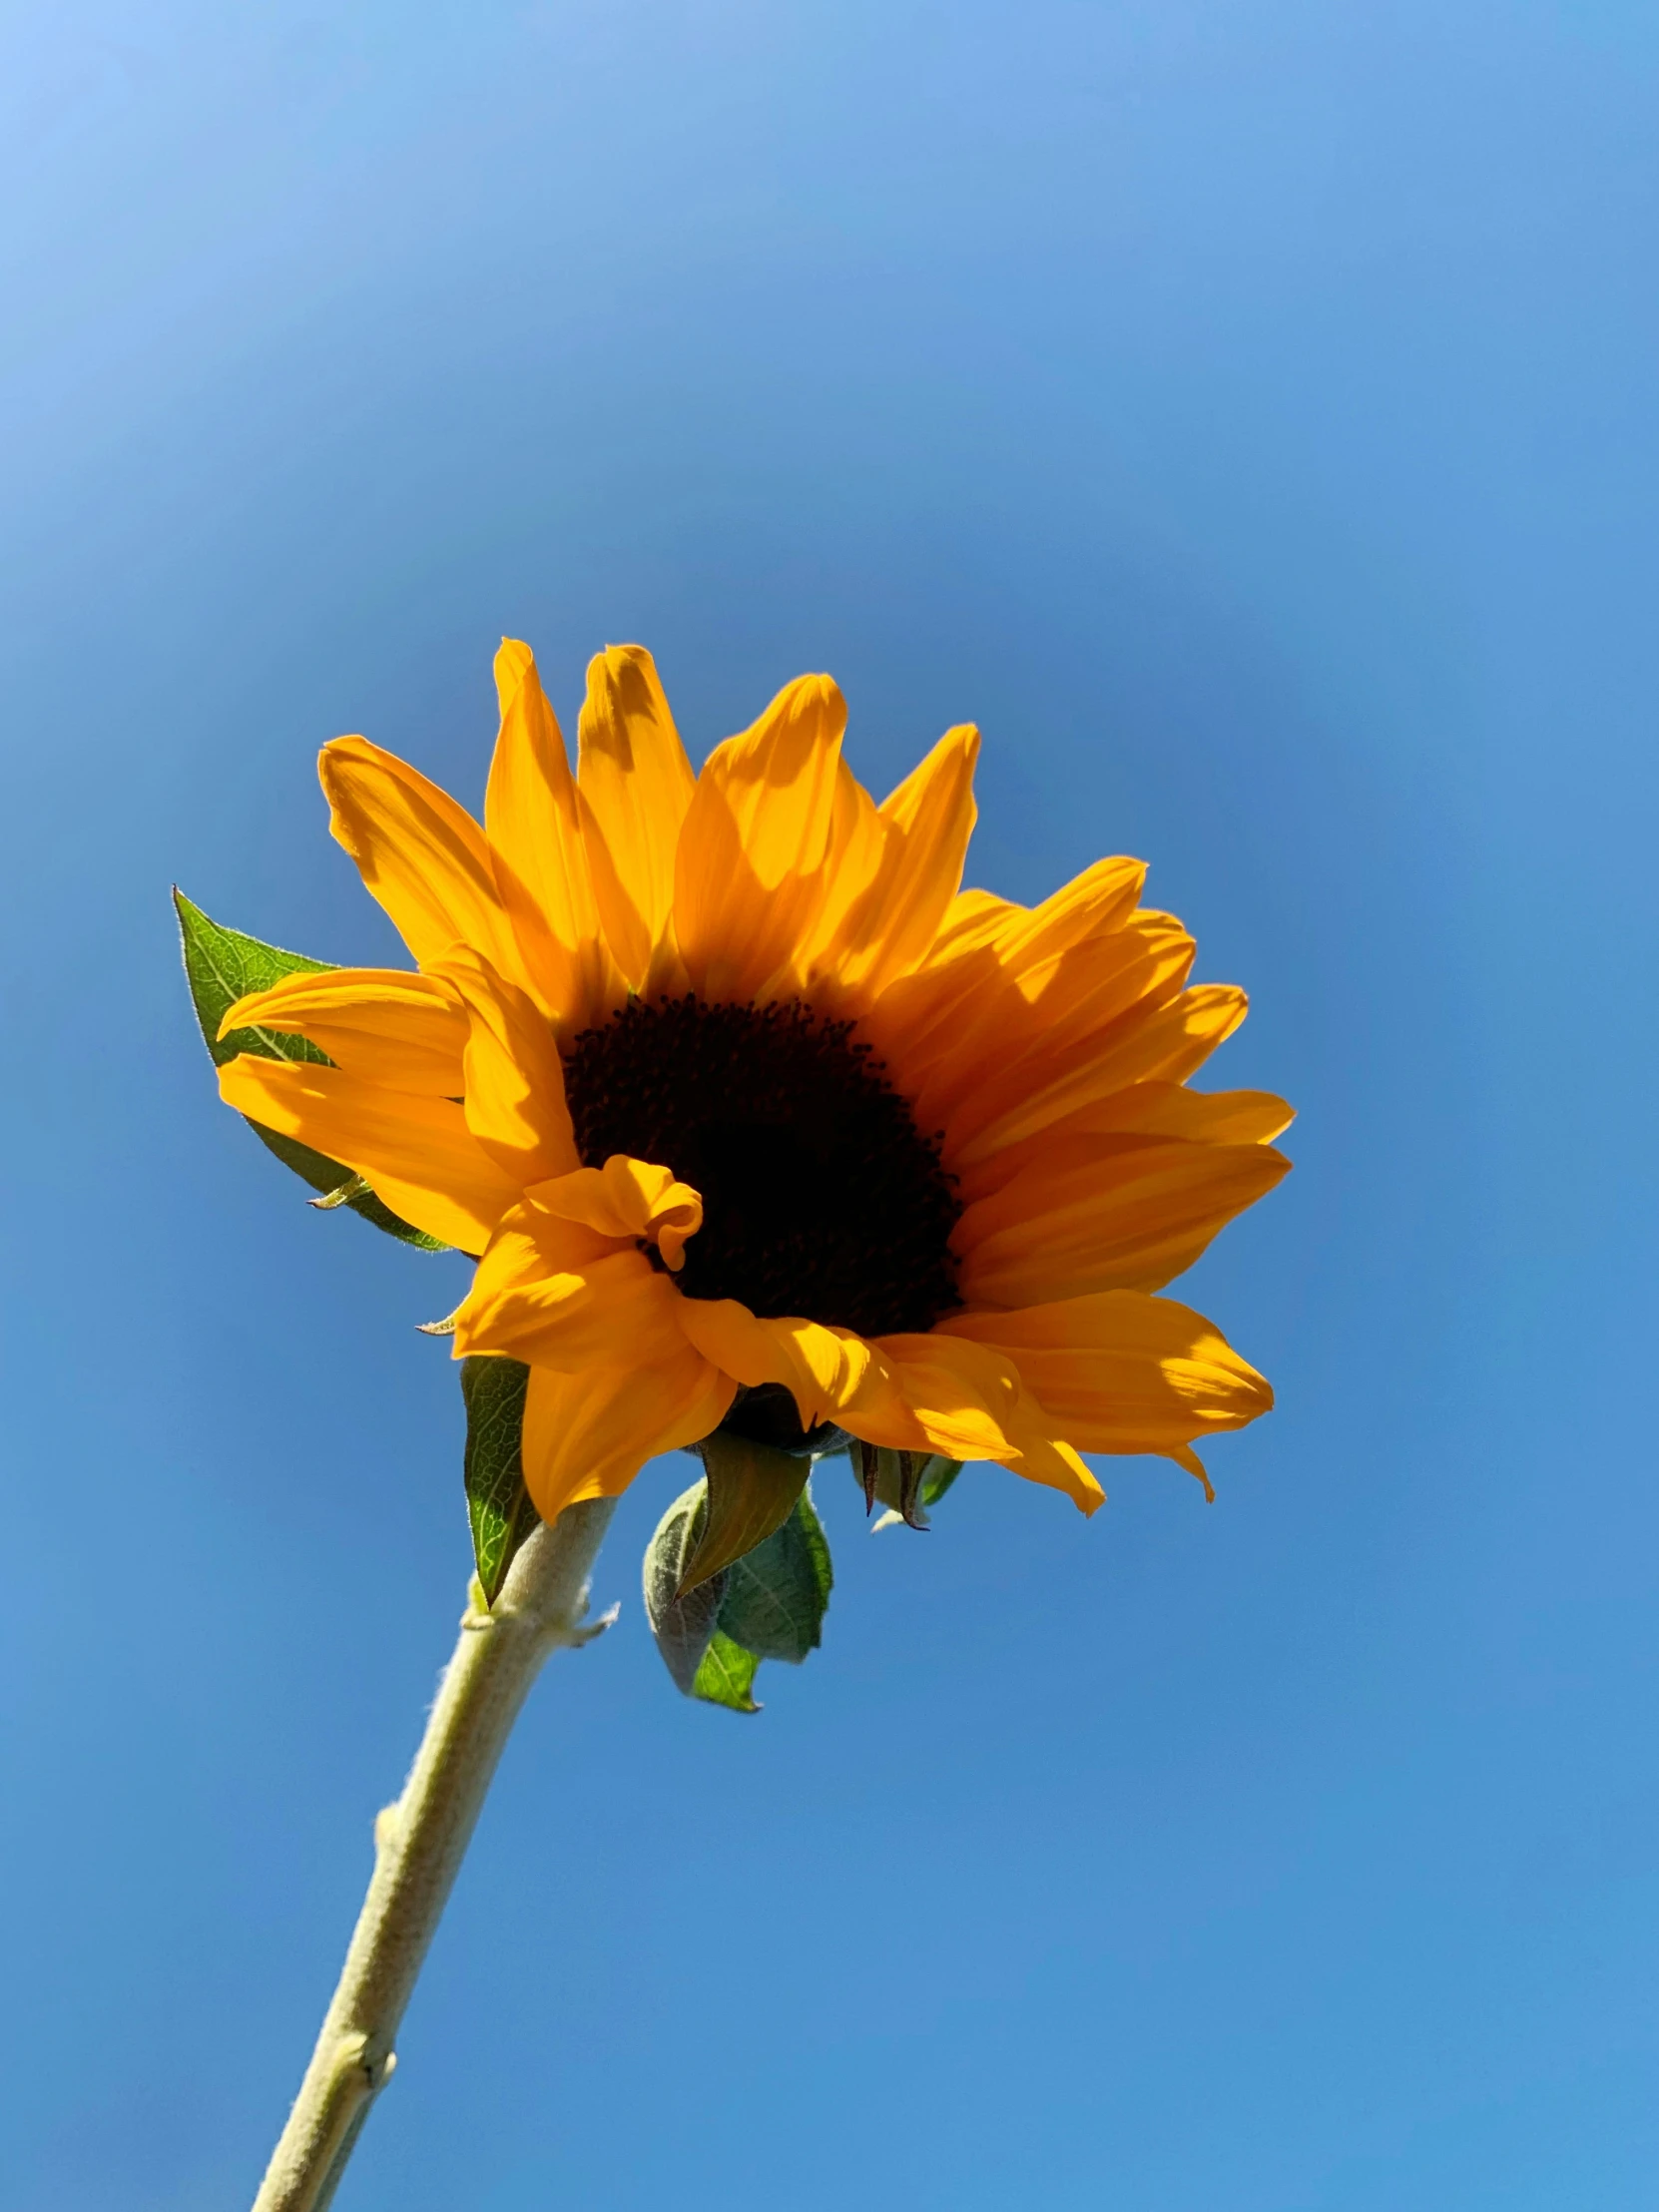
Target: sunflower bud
(907, 1483)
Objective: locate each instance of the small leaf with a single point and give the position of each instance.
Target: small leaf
(777, 1595)
(681, 1624)
(727, 1675)
(752, 1492)
(222, 965)
(498, 1506)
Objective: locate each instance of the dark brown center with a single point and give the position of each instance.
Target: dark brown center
(820, 1195)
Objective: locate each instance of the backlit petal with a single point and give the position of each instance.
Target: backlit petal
(636, 784)
(423, 857)
(1035, 1021)
(386, 1025)
(1099, 1213)
(1155, 1109)
(893, 875)
(1166, 1043)
(749, 872)
(1119, 1372)
(532, 819)
(417, 1154)
(986, 976)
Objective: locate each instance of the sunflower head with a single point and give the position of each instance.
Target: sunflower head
(766, 1137)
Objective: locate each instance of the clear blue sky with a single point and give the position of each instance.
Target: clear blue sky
(1247, 414)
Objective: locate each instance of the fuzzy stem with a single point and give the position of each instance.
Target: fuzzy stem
(419, 1843)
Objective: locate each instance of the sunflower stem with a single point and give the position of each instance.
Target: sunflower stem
(419, 1843)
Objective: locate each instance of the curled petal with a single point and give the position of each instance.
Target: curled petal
(826, 1371)
(628, 1198)
(558, 1295)
(514, 1080)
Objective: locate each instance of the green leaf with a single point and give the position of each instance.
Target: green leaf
(222, 965)
(777, 1595)
(770, 1605)
(727, 1675)
(681, 1624)
(937, 1477)
(497, 1504)
(752, 1492)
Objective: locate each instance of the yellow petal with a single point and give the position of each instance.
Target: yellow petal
(423, 857)
(416, 1153)
(968, 1401)
(533, 821)
(1039, 1022)
(826, 1370)
(1164, 1043)
(987, 972)
(587, 1434)
(636, 784)
(1119, 1372)
(383, 1024)
(933, 812)
(912, 1393)
(976, 918)
(749, 872)
(515, 1085)
(559, 1296)
(1151, 1109)
(859, 847)
(628, 1198)
(1154, 1109)
(1163, 1109)
(893, 877)
(1085, 1218)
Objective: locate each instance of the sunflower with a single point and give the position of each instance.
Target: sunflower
(758, 1125)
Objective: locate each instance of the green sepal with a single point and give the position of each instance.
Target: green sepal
(906, 1482)
(498, 1506)
(683, 1625)
(778, 1595)
(222, 965)
(751, 1493)
(727, 1675)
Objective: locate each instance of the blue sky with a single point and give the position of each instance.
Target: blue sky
(1244, 414)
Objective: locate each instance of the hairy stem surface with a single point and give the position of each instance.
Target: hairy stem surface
(419, 1843)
